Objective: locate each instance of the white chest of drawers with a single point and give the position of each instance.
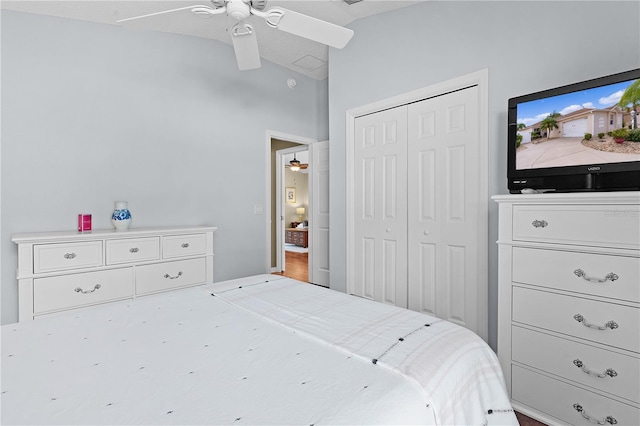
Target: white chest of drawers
(569, 306)
(59, 271)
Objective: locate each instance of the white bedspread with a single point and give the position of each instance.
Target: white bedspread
(262, 350)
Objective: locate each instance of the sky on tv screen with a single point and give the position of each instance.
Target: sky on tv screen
(599, 98)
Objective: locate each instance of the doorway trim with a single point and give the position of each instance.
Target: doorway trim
(280, 204)
(269, 135)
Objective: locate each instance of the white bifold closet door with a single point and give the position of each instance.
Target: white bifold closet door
(416, 179)
(380, 206)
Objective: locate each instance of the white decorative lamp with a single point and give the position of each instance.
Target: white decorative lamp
(300, 212)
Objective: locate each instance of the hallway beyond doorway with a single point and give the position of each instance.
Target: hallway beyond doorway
(297, 265)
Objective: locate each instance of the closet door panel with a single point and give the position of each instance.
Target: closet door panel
(380, 228)
(443, 205)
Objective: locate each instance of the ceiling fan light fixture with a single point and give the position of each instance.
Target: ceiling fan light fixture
(295, 164)
(238, 9)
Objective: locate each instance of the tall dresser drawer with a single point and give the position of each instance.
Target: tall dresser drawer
(569, 403)
(75, 290)
(65, 256)
(606, 226)
(571, 315)
(132, 250)
(183, 245)
(616, 277)
(609, 371)
(169, 275)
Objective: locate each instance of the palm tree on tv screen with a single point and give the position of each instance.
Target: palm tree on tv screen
(631, 96)
(550, 123)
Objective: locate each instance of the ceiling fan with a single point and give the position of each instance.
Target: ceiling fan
(295, 164)
(243, 34)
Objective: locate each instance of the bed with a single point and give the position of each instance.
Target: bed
(258, 350)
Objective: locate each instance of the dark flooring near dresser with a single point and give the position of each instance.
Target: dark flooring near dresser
(528, 421)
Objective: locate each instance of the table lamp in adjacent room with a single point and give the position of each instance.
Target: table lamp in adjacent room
(300, 212)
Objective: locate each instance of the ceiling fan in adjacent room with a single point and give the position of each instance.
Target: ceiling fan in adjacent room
(295, 164)
(243, 34)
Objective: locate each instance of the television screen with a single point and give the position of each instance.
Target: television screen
(569, 137)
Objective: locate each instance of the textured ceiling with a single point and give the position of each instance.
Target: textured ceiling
(293, 52)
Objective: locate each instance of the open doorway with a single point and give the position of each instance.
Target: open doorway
(315, 154)
(293, 196)
(290, 209)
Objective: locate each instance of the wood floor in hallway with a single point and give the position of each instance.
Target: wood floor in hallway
(296, 265)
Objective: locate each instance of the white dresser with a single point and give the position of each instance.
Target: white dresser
(569, 306)
(58, 271)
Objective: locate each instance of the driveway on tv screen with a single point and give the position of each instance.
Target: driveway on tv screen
(558, 152)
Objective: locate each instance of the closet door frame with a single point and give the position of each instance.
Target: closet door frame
(481, 80)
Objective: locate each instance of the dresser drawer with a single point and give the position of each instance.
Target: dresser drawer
(557, 398)
(75, 290)
(132, 250)
(606, 226)
(569, 359)
(65, 256)
(184, 245)
(557, 312)
(616, 277)
(169, 275)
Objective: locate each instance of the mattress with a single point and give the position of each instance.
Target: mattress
(258, 350)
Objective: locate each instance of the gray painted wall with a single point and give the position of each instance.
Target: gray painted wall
(526, 46)
(96, 113)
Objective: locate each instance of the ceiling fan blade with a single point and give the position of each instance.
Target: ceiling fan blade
(245, 45)
(308, 27)
(198, 9)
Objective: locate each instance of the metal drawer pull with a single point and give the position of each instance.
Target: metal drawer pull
(69, 255)
(608, 372)
(539, 223)
(609, 277)
(609, 324)
(185, 245)
(134, 249)
(173, 278)
(609, 419)
(79, 290)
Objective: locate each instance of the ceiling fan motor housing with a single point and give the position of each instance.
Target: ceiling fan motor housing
(256, 4)
(238, 9)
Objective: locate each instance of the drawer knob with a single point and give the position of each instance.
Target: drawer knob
(609, 419)
(134, 249)
(608, 372)
(185, 245)
(79, 290)
(609, 324)
(174, 277)
(539, 223)
(69, 255)
(609, 277)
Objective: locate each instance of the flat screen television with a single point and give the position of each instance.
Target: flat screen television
(562, 139)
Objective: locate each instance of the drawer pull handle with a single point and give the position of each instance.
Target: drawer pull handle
(69, 255)
(173, 278)
(609, 419)
(609, 324)
(134, 249)
(609, 277)
(79, 290)
(608, 372)
(539, 223)
(185, 245)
